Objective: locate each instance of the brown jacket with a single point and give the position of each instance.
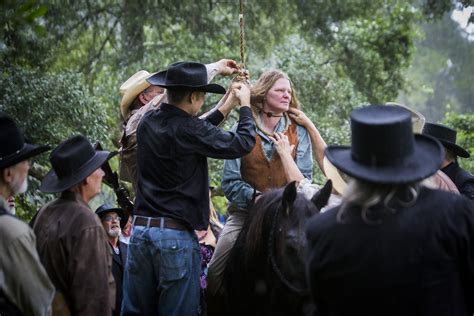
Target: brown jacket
(73, 248)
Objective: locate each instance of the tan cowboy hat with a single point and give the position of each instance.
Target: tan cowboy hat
(332, 173)
(417, 119)
(131, 88)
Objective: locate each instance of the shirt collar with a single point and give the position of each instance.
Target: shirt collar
(279, 128)
(173, 109)
(4, 204)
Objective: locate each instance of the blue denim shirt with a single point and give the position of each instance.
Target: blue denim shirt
(239, 192)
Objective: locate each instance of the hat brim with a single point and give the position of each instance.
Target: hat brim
(423, 162)
(52, 184)
(28, 151)
(455, 149)
(159, 79)
(335, 176)
(121, 212)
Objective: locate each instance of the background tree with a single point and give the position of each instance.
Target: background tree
(62, 63)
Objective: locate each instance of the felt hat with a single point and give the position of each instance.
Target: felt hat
(384, 149)
(131, 88)
(447, 137)
(106, 208)
(72, 161)
(14, 148)
(186, 75)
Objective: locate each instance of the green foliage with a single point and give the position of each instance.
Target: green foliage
(62, 62)
(48, 108)
(464, 125)
(21, 33)
(440, 78)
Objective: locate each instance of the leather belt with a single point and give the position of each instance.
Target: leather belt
(156, 222)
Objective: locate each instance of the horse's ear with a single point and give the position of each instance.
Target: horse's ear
(321, 198)
(289, 195)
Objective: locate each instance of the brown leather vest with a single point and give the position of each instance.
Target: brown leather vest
(261, 173)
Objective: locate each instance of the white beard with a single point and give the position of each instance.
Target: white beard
(20, 188)
(114, 232)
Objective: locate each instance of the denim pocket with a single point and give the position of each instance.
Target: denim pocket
(173, 263)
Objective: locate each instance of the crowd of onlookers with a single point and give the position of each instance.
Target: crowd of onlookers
(397, 238)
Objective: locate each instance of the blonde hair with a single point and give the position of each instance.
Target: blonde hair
(265, 83)
(365, 195)
(213, 218)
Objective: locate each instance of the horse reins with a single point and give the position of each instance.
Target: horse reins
(281, 277)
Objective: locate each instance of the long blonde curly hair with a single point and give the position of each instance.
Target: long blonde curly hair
(267, 79)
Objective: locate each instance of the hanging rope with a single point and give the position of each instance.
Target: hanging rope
(242, 75)
(242, 38)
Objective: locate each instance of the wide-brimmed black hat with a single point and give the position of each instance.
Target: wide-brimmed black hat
(73, 160)
(106, 208)
(185, 75)
(14, 149)
(447, 137)
(385, 150)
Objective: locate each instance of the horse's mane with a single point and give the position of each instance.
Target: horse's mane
(260, 214)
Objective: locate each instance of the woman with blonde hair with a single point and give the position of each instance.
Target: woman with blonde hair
(272, 96)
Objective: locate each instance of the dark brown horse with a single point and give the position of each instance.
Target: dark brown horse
(265, 274)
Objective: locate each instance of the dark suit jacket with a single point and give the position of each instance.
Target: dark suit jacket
(418, 261)
(463, 179)
(118, 266)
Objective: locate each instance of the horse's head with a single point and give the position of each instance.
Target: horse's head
(278, 230)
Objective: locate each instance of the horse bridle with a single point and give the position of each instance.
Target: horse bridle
(278, 272)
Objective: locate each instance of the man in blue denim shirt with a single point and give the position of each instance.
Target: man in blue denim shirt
(163, 265)
(245, 178)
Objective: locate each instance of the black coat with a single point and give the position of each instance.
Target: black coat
(118, 266)
(461, 178)
(418, 261)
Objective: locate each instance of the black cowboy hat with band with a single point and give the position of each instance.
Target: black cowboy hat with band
(384, 149)
(185, 76)
(73, 160)
(447, 137)
(14, 149)
(105, 208)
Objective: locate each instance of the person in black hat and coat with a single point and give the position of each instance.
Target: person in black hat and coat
(447, 136)
(70, 238)
(25, 288)
(114, 220)
(392, 247)
(163, 264)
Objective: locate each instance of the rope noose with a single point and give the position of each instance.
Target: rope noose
(242, 39)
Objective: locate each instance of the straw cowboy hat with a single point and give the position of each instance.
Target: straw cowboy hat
(417, 119)
(106, 208)
(131, 88)
(447, 137)
(332, 173)
(72, 161)
(14, 149)
(384, 149)
(186, 75)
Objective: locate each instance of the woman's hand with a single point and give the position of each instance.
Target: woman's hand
(282, 144)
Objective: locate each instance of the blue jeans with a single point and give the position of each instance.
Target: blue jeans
(162, 273)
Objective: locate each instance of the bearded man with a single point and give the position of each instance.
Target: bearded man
(113, 220)
(25, 287)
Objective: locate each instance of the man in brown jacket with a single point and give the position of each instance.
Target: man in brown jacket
(70, 239)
